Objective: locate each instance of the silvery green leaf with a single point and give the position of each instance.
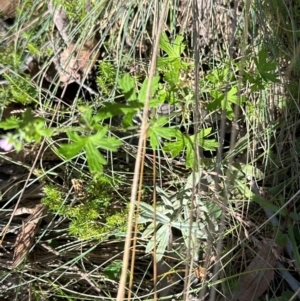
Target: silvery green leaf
(162, 238)
(150, 246)
(165, 209)
(194, 243)
(203, 208)
(212, 223)
(202, 177)
(184, 225)
(162, 218)
(164, 197)
(144, 220)
(214, 211)
(190, 183)
(148, 212)
(163, 242)
(183, 197)
(196, 228)
(186, 212)
(148, 231)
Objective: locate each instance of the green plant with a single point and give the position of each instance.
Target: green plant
(157, 128)
(264, 72)
(75, 10)
(174, 212)
(106, 77)
(92, 135)
(26, 129)
(113, 271)
(218, 79)
(95, 137)
(175, 69)
(93, 216)
(10, 57)
(187, 143)
(19, 89)
(172, 64)
(53, 199)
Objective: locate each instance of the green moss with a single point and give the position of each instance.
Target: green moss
(18, 89)
(95, 216)
(53, 199)
(106, 77)
(118, 220)
(75, 10)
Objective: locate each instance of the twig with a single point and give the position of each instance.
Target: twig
(144, 128)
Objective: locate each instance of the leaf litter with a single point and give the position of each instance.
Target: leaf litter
(257, 276)
(25, 237)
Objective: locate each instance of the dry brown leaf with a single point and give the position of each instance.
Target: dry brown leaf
(8, 8)
(69, 66)
(26, 235)
(74, 65)
(60, 20)
(24, 210)
(28, 206)
(259, 273)
(74, 60)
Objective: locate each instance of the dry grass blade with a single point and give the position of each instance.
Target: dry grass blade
(258, 275)
(144, 129)
(25, 238)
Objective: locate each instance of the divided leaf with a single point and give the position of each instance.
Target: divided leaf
(90, 145)
(162, 239)
(128, 86)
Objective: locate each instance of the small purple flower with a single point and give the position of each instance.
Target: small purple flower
(5, 145)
